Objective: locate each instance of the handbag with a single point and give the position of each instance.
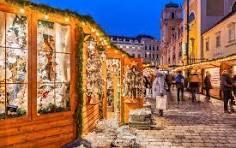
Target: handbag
(161, 102)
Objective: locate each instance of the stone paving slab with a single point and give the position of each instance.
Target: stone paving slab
(189, 125)
(192, 125)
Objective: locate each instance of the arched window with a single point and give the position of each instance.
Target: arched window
(234, 7)
(191, 17)
(172, 15)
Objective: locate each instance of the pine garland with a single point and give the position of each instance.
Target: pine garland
(79, 82)
(65, 12)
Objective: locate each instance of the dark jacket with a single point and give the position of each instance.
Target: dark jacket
(207, 83)
(226, 82)
(234, 85)
(179, 80)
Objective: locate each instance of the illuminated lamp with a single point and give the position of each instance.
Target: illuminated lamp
(46, 17)
(67, 19)
(22, 11)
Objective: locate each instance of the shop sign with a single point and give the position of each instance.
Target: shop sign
(215, 76)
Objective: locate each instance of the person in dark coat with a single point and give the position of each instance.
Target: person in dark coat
(227, 87)
(207, 85)
(168, 81)
(179, 80)
(234, 93)
(234, 85)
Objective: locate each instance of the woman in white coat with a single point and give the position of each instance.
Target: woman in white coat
(158, 88)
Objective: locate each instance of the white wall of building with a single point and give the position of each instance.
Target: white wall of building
(226, 47)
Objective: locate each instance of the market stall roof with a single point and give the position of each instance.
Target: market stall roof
(216, 62)
(85, 20)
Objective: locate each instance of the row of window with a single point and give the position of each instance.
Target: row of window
(130, 47)
(231, 37)
(124, 40)
(53, 66)
(151, 47)
(136, 56)
(151, 56)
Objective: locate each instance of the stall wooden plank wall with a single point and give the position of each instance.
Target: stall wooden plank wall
(90, 117)
(116, 54)
(50, 130)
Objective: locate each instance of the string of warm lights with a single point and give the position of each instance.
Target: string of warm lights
(206, 63)
(102, 39)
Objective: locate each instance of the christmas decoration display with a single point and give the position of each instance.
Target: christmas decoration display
(133, 83)
(113, 71)
(13, 65)
(94, 73)
(53, 67)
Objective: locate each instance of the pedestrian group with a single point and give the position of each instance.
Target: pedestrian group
(162, 83)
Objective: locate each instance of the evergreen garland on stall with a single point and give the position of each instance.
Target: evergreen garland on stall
(79, 82)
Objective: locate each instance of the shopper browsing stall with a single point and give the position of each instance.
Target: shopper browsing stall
(227, 88)
(207, 85)
(159, 92)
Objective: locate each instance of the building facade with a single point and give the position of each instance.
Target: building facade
(202, 16)
(220, 40)
(131, 45)
(142, 46)
(151, 49)
(171, 34)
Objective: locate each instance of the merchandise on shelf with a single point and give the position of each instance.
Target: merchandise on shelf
(94, 74)
(133, 83)
(53, 67)
(113, 70)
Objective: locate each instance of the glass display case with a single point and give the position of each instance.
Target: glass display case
(13, 65)
(53, 67)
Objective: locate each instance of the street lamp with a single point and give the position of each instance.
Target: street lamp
(187, 45)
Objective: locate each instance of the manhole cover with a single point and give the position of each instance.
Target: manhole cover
(180, 137)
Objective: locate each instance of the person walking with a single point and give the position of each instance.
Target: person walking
(207, 85)
(168, 80)
(179, 80)
(234, 93)
(173, 81)
(159, 88)
(227, 87)
(147, 85)
(194, 85)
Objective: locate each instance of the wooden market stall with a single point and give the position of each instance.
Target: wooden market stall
(46, 58)
(94, 80)
(53, 75)
(215, 67)
(37, 68)
(115, 71)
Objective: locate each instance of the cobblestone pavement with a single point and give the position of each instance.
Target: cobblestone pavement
(191, 125)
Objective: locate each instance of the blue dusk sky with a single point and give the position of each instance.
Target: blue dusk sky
(119, 17)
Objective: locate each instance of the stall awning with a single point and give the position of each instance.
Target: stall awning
(231, 59)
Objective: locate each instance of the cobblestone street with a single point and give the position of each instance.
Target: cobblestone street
(191, 125)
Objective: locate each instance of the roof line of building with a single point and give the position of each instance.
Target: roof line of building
(220, 21)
